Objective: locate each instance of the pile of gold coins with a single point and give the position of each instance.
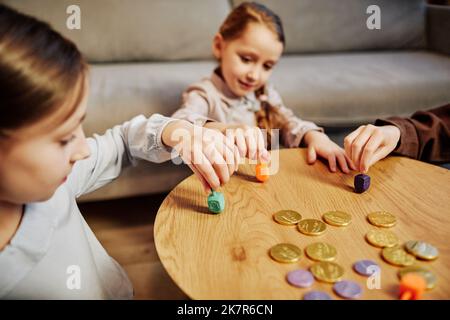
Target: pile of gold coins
(401, 256)
(323, 254)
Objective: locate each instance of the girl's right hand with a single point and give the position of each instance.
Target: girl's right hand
(209, 154)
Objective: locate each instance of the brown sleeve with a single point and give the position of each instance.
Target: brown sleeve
(425, 136)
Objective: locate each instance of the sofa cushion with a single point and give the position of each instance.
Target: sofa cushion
(354, 88)
(330, 25)
(117, 30)
(438, 28)
(121, 91)
(330, 89)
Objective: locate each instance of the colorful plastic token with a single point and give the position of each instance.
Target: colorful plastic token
(300, 278)
(366, 267)
(317, 295)
(348, 289)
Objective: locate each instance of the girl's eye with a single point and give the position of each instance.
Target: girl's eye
(67, 141)
(245, 59)
(268, 67)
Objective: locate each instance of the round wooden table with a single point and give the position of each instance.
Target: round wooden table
(226, 256)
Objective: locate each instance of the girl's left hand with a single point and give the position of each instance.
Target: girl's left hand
(319, 144)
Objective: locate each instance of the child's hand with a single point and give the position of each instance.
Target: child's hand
(368, 144)
(319, 144)
(249, 141)
(207, 152)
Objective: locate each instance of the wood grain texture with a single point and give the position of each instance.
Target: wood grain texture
(225, 256)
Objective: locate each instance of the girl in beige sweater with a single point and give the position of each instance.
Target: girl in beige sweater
(238, 100)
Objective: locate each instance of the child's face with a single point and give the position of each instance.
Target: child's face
(247, 62)
(35, 161)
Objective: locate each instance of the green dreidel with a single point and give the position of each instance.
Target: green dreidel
(216, 202)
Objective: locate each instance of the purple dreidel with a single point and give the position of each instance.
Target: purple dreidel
(362, 183)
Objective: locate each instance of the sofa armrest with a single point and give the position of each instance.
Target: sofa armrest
(438, 28)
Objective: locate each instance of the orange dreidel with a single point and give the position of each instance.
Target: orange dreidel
(412, 285)
(262, 172)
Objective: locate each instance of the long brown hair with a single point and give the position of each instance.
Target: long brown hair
(269, 116)
(39, 71)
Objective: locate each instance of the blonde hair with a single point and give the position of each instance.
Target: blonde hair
(269, 116)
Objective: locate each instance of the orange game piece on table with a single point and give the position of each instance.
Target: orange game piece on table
(412, 285)
(262, 172)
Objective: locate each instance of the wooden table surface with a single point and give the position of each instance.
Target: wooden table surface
(225, 256)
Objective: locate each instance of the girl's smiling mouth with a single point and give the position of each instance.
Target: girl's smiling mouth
(245, 85)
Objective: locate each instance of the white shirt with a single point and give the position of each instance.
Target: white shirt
(54, 247)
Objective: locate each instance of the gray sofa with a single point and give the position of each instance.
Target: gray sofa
(335, 70)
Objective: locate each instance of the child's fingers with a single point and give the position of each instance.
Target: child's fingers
(251, 144)
(240, 142)
(377, 156)
(350, 162)
(263, 155)
(348, 141)
(358, 145)
(229, 155)
(218, 163)
(332, 162)
(185, 153)
(262, 150)
(342, 162)
(232, 143)
(230, 159)
(205, 184)
(374, 143)
(205, 168)
(237, 158)
(215, 158)
(311, 155)
(199, 163)
(231, 137)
